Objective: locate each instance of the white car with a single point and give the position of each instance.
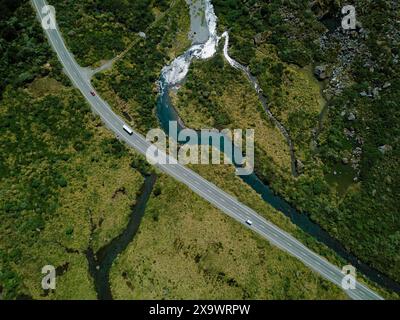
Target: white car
(127, 129)
(249, 222)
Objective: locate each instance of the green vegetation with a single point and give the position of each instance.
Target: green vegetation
(225, 98)
(294, 37)
(24, 54)
(368, 217)
(65, 181)
(225, 262)
(131, 86)
(362, 214)
(66, 184)
(101, 29)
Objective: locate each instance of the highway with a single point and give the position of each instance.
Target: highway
(220, 199)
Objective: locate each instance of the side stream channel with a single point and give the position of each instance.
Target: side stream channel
(100, 262)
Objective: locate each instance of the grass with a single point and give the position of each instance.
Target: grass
(102, 200)
(67, 183)
(341, 178)
(230, 93)
(294, 95)
(187, 249)
(59, 195)
(362, 217)
(42, 86)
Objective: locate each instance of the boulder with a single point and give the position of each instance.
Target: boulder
(386, 85)
(351, 117)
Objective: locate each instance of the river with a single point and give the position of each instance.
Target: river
(173, 75)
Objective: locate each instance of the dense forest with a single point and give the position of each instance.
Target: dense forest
(99, 30)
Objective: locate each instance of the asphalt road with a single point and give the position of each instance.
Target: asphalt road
(195, 182)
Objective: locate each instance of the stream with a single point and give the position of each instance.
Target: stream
(204, 45)
(101, 262)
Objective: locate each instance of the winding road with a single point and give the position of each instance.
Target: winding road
(220, 199)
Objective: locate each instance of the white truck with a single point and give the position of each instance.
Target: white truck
(127, 129)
